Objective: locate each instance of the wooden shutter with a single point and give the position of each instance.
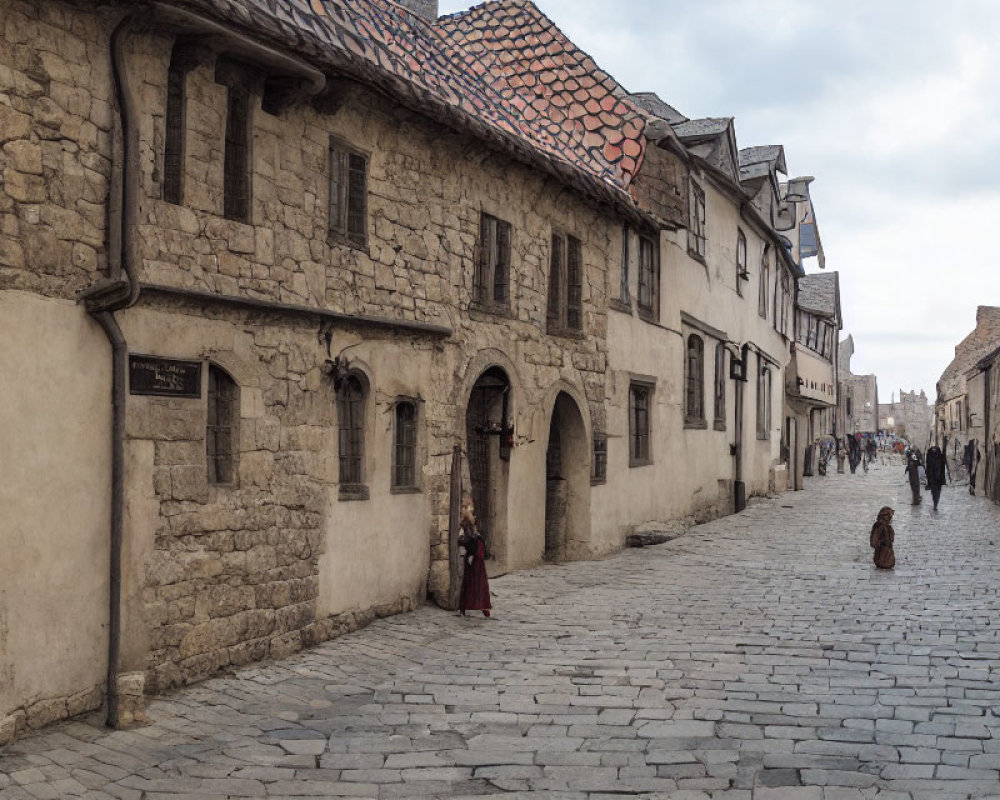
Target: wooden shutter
(501, 265)
(481, 271)
(555, 287)
(236, 161)
(173, 146)
(357, 199)
(338, 191)
(574, 283)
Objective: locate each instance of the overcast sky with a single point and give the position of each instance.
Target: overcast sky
(894, 107)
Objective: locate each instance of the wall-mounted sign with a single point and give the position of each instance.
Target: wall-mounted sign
(166, 377)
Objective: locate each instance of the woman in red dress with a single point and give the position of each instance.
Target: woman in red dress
(475, 593)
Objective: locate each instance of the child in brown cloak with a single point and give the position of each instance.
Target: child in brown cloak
(882, 539)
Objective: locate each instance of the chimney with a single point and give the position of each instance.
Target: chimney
(428, 9)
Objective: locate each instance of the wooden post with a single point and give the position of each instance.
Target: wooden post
(454, 528)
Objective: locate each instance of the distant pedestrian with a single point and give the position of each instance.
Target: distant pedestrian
(475, 592)
(937, 472)
(882, 539)
(912, 472)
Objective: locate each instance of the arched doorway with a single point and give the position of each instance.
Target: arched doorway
(488, 448)
(567, 482)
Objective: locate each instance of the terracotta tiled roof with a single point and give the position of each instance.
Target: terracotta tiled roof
(571, 103)
(564, 118)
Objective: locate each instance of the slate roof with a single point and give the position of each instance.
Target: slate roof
(698, 128)
(818, 293)
(766, 153)
(570, 103)
(656, 106)
(595, 143)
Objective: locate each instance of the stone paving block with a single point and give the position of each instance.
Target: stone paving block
(716, 672)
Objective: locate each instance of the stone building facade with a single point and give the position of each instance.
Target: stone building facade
(910, 417)
(983, 389)
(276, 278)
(858, 407)
(952, 421)
(811, 384)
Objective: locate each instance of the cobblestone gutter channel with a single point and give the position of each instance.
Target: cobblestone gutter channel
(757, 657)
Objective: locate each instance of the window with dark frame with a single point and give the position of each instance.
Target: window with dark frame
(694, 381)
(741, 261)
(649, 277)
(763, 399)
(765, 278)
(236, 160)
(565, 306)
(696, 221)
(220, 426)
(720, 386)
(348, 202)
(599, 462)
(492, 275)
(623, 291)
(351, 429)
(173, 134)
(786, 296)
(404, 454)
(639, 396)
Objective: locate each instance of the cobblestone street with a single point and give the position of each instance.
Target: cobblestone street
(759, 656)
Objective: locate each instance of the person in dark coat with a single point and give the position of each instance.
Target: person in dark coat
(936, 467)
(882, 539)
(475, 592)
(912, 472)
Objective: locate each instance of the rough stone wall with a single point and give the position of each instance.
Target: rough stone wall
(659, 185)
(233, 576)
(984, 338)
(55, 141)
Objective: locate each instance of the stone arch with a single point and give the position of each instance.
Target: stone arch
(487, 444)
(480, 363)
(568, 454)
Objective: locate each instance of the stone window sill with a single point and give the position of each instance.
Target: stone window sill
(640, 462)
(697, 256)
(719, 425)
(337, 239)
(565, 333)
(491, 309)
(353, 491)
(647, 315)
(598, 481)
(695, 423)
(620, 305)
(405, 490)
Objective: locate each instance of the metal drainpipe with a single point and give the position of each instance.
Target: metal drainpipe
(120, 290)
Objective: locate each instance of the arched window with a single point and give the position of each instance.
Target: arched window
(741, 261)
(694, 395)
(404, 450)
(351, 399)
(220, 427)
(720, 386)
